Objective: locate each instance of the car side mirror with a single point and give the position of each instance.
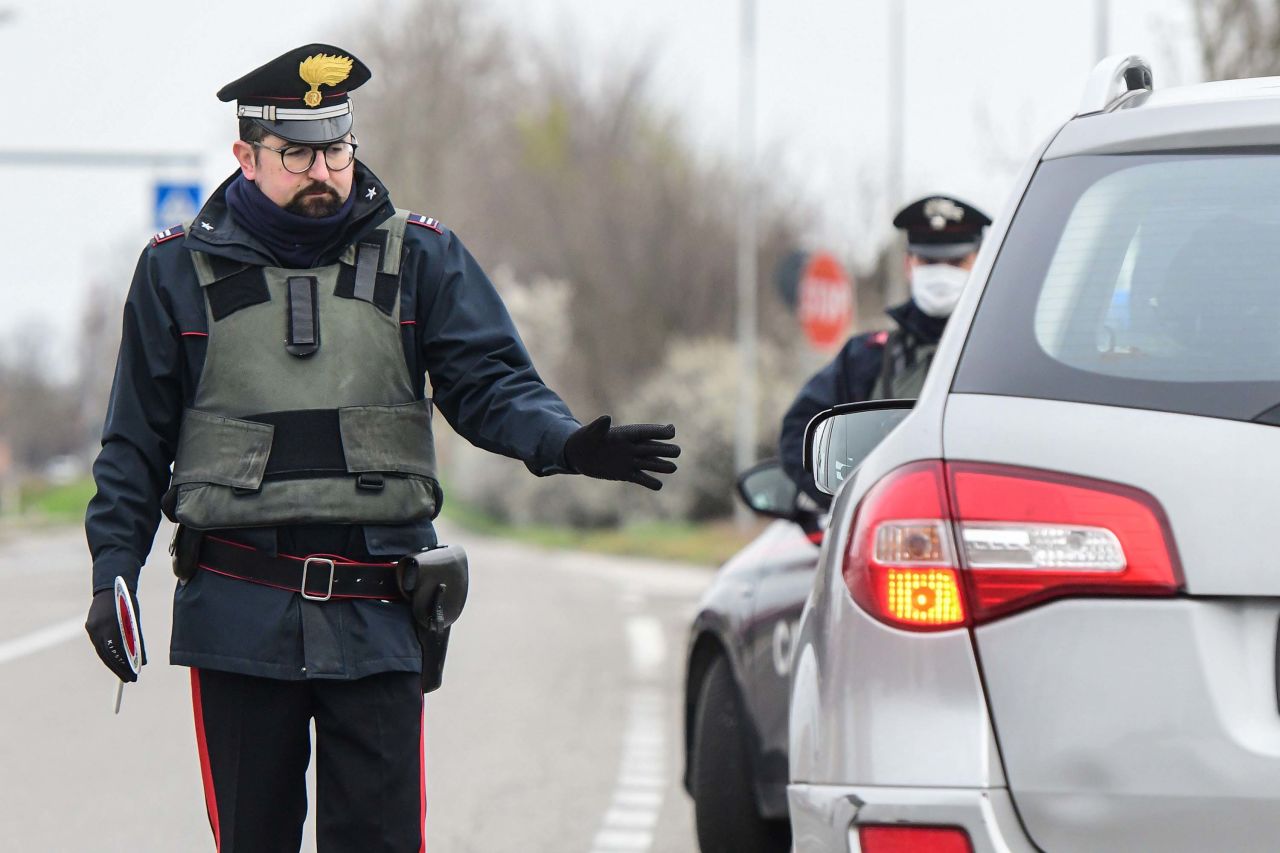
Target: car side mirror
(837, 440)
(767, 490)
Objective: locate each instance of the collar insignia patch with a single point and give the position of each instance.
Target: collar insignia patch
(425, 222)
(167, 234)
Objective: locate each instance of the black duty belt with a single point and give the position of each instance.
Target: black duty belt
(317, 577)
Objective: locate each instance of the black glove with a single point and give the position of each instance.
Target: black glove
(104, 632)
(622, 453)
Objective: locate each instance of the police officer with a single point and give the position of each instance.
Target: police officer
(274, 352)
(943, 234)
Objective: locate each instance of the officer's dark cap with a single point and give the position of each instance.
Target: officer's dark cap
(301, 96)
(941, 228)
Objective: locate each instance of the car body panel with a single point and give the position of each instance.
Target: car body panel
(1140, 725)
(914, 715)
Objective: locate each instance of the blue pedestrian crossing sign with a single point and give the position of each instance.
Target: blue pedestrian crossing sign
(175, 203)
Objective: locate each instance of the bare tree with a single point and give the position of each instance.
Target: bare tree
(99, 338)
(552, 169)
(1238, 38)
(575, 173)
(39, 415)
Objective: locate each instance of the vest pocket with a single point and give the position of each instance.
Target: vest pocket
(221, 450)
(392, 439)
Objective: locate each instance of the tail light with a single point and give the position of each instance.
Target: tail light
(937, 545)
(913, 839)
(900, 565)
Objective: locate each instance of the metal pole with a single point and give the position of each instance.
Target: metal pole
(745, 434)
(897, 290)
(1101, 28)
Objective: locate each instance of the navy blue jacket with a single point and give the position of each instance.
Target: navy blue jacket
(849, 378)
(482, 381)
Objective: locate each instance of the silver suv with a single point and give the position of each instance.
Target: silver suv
(1045, 615)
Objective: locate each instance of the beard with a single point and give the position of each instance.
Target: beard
(315, 201)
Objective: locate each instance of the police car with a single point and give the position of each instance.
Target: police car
(738, 674)
(1045, 612)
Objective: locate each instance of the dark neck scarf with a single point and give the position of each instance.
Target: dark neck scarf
(295, 241)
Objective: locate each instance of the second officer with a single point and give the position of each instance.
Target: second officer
(943, 236)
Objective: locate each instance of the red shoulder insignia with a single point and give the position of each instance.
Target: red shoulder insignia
(167, 234)
(425, 222)
(878, 339)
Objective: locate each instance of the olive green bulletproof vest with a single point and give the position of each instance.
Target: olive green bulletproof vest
(305, 411)
(902, 373)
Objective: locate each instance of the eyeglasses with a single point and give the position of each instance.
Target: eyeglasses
(298, 158)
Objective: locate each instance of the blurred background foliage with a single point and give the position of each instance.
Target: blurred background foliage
(610, 237)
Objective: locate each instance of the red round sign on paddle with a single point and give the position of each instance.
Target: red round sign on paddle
(826, 302)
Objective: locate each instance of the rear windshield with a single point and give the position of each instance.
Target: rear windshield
(1149, 281)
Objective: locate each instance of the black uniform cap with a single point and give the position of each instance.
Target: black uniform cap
(941, 228)
(301, 95)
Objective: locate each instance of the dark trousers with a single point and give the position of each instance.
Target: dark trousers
(255, 742)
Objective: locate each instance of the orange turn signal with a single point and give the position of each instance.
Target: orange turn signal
(922, 596)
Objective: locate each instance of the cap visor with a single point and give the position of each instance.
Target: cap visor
(941, 251)
(310, 131)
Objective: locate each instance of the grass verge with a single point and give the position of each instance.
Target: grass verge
(708, 543)
(45, 503)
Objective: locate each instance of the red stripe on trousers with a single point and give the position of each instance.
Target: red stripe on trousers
(206, 773)
(422, 777)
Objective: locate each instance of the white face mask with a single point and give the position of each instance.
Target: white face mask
(935, 288)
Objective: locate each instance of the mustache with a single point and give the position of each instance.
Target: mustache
(316, 188)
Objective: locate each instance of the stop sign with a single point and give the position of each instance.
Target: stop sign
(826, 302)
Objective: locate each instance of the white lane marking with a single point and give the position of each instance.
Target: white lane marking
(627, 826)
(622, 839)
(648, 647)
(42, 639)
(649, 781)
(638, 799)
(630, 818)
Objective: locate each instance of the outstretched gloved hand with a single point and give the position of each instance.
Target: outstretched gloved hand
(104, 631)
(623, 453)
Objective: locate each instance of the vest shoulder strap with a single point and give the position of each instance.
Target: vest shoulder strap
(903, 368)
(390, 237)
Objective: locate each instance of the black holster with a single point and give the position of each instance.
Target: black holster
(184, 548)
(434, 581)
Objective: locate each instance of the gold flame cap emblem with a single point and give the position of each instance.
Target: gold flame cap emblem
(322, 70)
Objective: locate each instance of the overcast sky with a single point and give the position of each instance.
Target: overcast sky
(985, 81)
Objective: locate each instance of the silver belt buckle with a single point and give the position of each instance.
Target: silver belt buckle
(306, 565)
